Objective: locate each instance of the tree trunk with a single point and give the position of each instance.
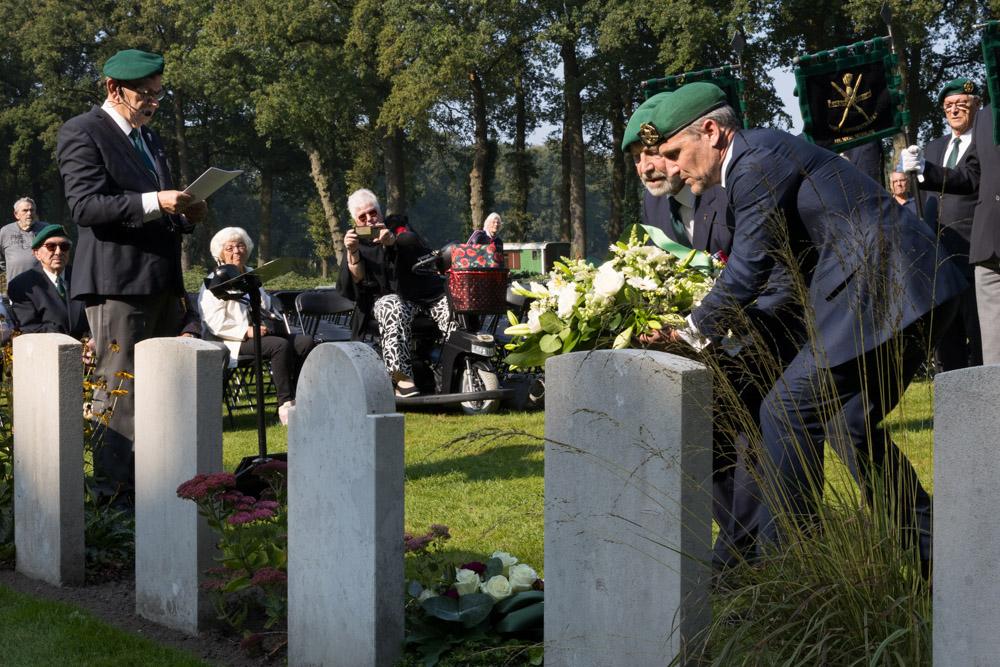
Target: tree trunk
(565, 224)
(573, 129)
(479, 198)
(322, 182)
(395, 171)
(517, 225)
(264, 226)
(195, 242)
(618, 158)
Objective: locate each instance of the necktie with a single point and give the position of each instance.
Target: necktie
(61, 286)
(137, 144)
(678, 224)
(953, 155)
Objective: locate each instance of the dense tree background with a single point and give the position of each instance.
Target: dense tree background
(428, 102)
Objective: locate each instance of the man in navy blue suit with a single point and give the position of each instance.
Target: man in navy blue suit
(876, 291)
(40, 296)
(130, 219)
(703, 222)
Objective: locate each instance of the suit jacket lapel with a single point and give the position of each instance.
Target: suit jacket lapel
(125, 146)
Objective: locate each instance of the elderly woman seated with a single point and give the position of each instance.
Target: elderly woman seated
(229, 321)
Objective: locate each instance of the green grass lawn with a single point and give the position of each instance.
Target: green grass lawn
(50, 633)
(481, 476)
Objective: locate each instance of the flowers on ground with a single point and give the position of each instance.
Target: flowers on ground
(583, 307)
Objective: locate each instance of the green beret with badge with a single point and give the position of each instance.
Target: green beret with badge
(132, 65)
(47, 232)
(959, 86)
(672, 112)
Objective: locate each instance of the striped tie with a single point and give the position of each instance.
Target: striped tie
(953, 155)
(137, 144)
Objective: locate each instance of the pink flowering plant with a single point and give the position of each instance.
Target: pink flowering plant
(491, 602)
(253, 540)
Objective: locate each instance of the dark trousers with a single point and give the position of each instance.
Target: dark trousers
(285, 354)
(863, 391)
(742, 381)
(117, 324)
(961, 345)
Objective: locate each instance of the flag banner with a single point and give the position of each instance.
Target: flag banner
(850, 95)
(726, 77)
(991, 56)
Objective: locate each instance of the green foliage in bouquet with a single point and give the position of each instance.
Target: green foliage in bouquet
(583, 307)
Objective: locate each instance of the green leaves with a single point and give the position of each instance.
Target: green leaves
(469, 610)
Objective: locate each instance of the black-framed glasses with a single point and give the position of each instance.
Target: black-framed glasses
(52, 246)
(148, 94)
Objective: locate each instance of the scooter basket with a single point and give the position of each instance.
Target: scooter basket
(478, 292)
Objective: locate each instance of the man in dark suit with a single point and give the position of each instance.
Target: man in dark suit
(874, 285)
(40, 296)
(961, 345)
(127, 273)
(703, 222)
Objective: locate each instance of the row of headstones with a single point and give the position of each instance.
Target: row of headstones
(627, 509)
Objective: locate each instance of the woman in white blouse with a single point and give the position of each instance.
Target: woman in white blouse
(229, 321)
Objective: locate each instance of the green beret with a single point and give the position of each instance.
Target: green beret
(47, 232)
(960, 86)
(677, 110)
(133, 64)
(639, 117)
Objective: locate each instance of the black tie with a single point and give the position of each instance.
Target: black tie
(953, 155)
(137, 144)
(678, 224)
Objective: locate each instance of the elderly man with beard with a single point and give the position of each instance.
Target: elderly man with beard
(703, 222)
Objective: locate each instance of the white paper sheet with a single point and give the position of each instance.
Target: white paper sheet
(213, 179)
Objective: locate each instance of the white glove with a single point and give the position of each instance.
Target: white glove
(912, 160)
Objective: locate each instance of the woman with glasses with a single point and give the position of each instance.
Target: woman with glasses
(229, 322)
(375, 273)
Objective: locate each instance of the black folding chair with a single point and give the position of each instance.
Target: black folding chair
(283, 303)
(325, 315)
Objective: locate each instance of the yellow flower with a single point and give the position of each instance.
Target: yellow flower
(119, 392)
(125, 375)
(115, 347)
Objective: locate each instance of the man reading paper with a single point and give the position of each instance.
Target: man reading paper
(130, 219)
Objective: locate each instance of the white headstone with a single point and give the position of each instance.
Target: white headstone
(178, 434)
(627, 507)
(48, 458)
(345, 520)
(966, 532)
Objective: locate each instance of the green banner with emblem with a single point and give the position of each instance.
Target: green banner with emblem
(850, 95)
(726, 77)
(991, 58)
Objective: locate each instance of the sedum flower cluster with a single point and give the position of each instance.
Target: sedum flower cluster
(583, 307)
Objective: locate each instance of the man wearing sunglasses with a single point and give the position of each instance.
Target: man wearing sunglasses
(130, 219)
(40, 295)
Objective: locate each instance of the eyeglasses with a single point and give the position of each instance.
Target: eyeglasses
(233, 247)
(145, 93)
(370, 214)
(52, 246)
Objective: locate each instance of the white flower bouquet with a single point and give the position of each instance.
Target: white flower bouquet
(583, 307)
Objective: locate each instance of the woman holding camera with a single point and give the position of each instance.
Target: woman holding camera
(229, 322)
(375, 273)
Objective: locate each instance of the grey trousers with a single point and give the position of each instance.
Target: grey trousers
(988, 302)
(117, 324)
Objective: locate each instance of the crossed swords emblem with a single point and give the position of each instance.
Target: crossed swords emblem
(849, 98)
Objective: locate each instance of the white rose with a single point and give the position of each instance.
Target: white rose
(497, 587)
(642, 283)
(522, 576)
(567, 300)
(534, 326)
(466, 581)
(608, 282)
(426, 594)
(506, 559)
